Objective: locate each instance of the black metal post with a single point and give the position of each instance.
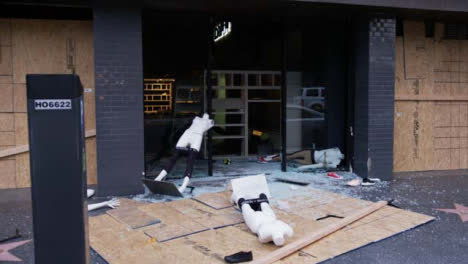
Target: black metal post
(209, 89)
(283, 93)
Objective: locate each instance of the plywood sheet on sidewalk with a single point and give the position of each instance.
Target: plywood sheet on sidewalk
(218, 200)
(129, 214)
(118, 243)
(208, 216)
(174, 224)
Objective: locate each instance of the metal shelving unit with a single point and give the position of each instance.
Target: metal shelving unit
(243, 82)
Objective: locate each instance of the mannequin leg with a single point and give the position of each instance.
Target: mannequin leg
(168, 168)
(192, 154)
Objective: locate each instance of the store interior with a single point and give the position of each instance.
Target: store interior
(246, 59)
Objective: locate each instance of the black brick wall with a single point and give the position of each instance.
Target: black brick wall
(119, 99)
(374, 97)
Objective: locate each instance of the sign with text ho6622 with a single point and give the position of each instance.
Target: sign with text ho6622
(52, 104)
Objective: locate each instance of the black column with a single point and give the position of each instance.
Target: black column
(374, 96)
(119, 98)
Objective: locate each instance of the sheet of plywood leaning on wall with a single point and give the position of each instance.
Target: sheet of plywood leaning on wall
(431, 100)
(40, 46)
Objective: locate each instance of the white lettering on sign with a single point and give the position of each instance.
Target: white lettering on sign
(221, 30)
(52, 104)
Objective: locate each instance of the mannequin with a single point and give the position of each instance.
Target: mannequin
(189, 143)
(111, 203)
(261, 220)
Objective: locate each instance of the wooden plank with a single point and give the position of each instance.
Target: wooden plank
(13, 151)
(312, 237)
(12, 157)
(20, 101)
(5, 60)
(6, 97)
(218, 200)
(23, 178)
(5, 32)
(415, 50)
(7, 174)
(7, 122)
(25, 148)
(129, 214)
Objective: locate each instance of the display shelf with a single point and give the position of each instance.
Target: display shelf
(157, 95)
(242, 81)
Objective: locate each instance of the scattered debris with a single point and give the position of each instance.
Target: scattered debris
(354, 182)
(239, 257)
(327, 158)
(334, 175)
(292, 181)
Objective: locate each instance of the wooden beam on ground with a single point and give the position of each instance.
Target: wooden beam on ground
(321, 233)
(25, 148)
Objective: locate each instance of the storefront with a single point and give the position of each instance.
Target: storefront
(247, 58)
(277, 77)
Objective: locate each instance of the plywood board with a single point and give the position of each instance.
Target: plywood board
(82, 35)
(416, 66)
(391, 222)
(129, 214)
(218, 200)
(173, 224)
(7, 138)
(119, 244)
(7, 122)
(6, 79)
(413, 131)
(23, 178)
(20, 101)
(91, 161)
(5, 32)
(7, 174)
(208, 216)
(5, 60)
(6, 97)
(8, 157)
(35, 39)
(21, 129)
(226, 241)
